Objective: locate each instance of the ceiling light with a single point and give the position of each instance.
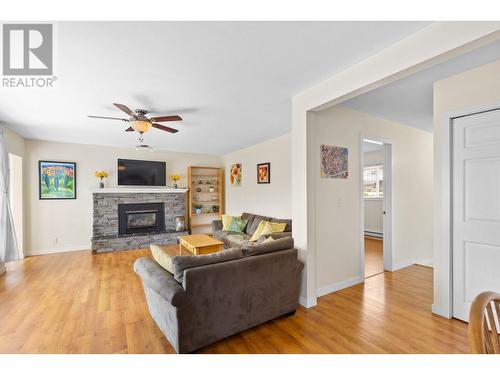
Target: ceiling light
(141, 126)
(374, 142)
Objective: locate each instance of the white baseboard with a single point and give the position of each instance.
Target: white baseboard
(338, 286)
(398, 266)
(58, 250)
(426, 262)
(307, 302)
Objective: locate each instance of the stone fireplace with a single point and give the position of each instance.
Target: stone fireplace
(134, 218)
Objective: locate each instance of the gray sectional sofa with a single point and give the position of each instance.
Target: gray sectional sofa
(235, 239)
(210, 297)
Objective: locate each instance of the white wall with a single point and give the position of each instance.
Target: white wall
(337, 201)
(374, 207)
(70, 221)
(272, 199)
(432, 45)
(467, 92)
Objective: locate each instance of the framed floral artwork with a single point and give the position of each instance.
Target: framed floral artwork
(235, 174)
(264, 173)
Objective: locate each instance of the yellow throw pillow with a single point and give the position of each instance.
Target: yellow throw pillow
(226, 221)
(259, 230)
(163, 258)
(271, 228)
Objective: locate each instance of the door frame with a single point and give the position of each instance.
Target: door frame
(388, 252)
(443, 219)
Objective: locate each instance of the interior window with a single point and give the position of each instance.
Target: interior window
(373, 181)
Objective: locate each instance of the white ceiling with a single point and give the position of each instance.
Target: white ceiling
(230, 81)
(409, 100)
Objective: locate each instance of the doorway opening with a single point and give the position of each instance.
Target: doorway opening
(375, 205)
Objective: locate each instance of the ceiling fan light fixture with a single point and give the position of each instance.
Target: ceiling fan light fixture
(141, 126)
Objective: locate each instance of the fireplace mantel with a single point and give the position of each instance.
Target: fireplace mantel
(128, 190)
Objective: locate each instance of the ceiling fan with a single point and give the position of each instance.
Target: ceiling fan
(141, 124)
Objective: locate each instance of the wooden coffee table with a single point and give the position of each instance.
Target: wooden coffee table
(199, 244)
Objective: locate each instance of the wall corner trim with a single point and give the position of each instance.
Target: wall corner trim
(307, 302)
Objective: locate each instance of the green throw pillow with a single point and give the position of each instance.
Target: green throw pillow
(237, 225)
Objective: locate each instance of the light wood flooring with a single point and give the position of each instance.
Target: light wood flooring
(374, 256)
(83, 303)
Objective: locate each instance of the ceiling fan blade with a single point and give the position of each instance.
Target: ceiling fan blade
(125, 109)
(166, 118)
(165, 128)
(109, 118)
(129, 129)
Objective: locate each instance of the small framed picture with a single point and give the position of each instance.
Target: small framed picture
(56, 180)
(264, 173)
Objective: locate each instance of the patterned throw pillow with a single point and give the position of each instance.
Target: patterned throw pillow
(226, 221)
(237, 225)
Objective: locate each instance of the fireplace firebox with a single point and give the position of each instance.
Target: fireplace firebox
(141, 218)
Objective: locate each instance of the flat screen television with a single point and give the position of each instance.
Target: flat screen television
(142, 172)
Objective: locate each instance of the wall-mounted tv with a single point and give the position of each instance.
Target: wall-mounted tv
(142, 172)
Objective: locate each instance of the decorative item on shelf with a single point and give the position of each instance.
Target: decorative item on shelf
(179, 223)
(56, 180)
(175, 178)
(211, 189)
(235, 174)
(200, 182)
(198, 190)
(334, 162)
(215, 208)
(215, 197)
(197, 208)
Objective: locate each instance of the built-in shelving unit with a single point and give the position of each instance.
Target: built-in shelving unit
(206, 190)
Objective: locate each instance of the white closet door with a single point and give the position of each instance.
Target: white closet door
(476, 208)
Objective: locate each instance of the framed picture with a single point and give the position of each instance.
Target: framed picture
(56, 180)
(235, 174)
(264, 173)
(334, 162)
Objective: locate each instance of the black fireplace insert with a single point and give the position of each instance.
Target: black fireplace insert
(141, 218)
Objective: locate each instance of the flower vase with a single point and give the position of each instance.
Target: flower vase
(101, 184)
(175, 186)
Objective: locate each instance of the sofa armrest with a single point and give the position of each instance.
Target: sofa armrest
(160, 280)
(275, 236)
(216, 225)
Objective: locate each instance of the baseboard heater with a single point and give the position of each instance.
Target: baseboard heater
(370, 233)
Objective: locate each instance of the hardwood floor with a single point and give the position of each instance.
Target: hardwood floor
(83, 303)
(374, 256)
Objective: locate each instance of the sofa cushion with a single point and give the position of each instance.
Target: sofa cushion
(161, 257)
(255, 223)
(236, 240)
(252, 248)
(288, 222)
(227, 220)
(181, 263)
(249, 217)
(237, 225)
(258, 232)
